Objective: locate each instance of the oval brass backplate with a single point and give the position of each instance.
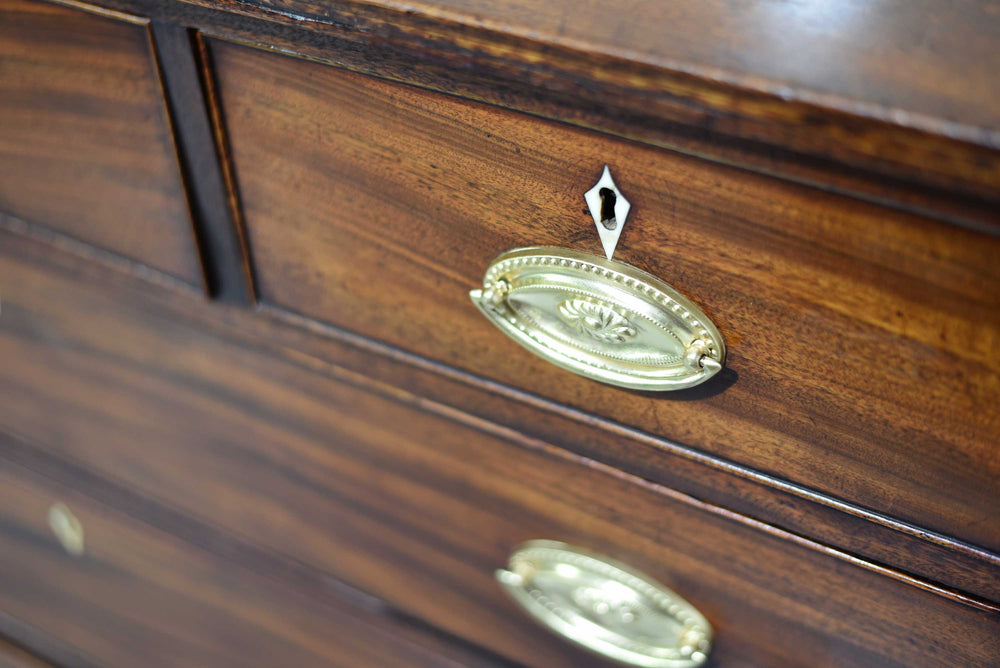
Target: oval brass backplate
(605, 606)
(600, 318)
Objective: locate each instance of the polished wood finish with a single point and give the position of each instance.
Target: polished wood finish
(803, 511)
(140, 596)
(409, 499)
(935, 557)
(579, 86)
(214, 213)
(883, 55)
(15, 657)
(332, 476)
(85, 142)
(870, 91)
(860, 339)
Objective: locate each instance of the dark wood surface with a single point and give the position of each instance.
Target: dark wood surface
(865, 144)
(934, 64)
(825, 506)
(406, 498)
(141, 596)
(12, 656)
(85, 142)
(878, 538)
(860, 339)
(213, 211)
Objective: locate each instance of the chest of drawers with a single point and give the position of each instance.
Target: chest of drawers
(251, 417)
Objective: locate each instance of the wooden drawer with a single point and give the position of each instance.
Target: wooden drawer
(15, 657)
(860, 338)
(85, 141)
(416, 502)
(139, 596)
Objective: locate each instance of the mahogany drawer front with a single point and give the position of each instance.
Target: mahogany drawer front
(859, 338)
(415, 503)
(138, 596)
(85, 141)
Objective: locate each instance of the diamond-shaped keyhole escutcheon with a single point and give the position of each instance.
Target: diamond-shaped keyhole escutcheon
(609, 208)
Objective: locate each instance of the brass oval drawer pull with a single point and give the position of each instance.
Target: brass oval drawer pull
(606, 606)
(600, 318)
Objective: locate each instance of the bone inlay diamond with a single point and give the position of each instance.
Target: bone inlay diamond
(609, 208)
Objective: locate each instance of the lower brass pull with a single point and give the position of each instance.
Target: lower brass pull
(606, 606)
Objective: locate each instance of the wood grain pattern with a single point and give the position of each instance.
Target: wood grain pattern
(44, 647)
(860, 339)
(875, 537)
(223, 255)
(15, 657)
(555, 83)
(85, 142)
(803, 511)
(878, 57)
(837, 108)
(139, 596)
(299, 457)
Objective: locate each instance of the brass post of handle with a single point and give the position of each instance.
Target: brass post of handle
(600, 318)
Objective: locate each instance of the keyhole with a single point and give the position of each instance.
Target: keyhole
(608, 199)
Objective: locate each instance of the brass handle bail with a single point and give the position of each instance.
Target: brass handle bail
(606, 606)
(600, 318)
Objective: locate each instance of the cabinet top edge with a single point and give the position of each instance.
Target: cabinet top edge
(905, 62)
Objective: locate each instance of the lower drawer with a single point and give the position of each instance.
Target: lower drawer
(411, 500)
(130, 595)
(15, 657)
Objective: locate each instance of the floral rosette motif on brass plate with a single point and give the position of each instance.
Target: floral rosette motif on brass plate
(600, 318)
